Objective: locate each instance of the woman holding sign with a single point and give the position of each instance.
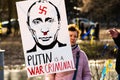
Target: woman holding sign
(82, 71)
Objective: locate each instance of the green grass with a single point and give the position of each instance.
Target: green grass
(97, 51)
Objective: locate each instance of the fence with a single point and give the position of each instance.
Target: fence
(18, 72)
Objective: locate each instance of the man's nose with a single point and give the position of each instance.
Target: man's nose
(45, 32)
(72, 37)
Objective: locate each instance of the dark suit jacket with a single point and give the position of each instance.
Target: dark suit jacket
(46, 47)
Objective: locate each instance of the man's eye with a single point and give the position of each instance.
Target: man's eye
(36, 21)
(51, 20)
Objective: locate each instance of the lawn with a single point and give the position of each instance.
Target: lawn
(99, 49)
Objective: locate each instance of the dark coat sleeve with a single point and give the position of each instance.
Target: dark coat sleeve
(117, 42)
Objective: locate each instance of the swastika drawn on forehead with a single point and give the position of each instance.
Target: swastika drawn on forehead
(28, 13)
(42, 10)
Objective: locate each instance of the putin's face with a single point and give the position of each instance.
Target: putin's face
(43, 22)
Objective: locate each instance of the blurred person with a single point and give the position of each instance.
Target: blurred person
(97, 30)
(116, 37)
(82, 71)
(16, 27)
(43, 19)
(81, 27)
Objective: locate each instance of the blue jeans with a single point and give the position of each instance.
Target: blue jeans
(118, 76)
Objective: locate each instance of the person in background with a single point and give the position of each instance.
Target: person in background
(116, 37)
(97, 31)
(82, 71)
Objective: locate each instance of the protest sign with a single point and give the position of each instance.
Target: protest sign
(45, 37)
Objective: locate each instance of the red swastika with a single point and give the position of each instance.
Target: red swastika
(42, 10)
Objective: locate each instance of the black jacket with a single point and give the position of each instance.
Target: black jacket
(46, 47)
(117, 42)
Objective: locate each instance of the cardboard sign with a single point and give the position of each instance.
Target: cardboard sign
(45, 36)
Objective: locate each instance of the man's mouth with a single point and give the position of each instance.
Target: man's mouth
(45, 38)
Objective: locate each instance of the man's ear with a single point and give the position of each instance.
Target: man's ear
(28, 18)
(27, 23)
(59, 25)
